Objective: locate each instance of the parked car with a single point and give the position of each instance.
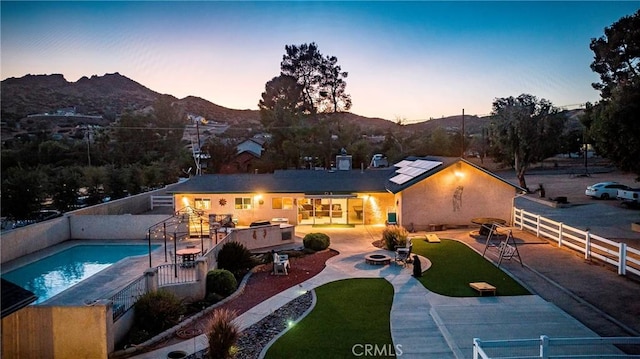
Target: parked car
(604, 190)
(629, 197)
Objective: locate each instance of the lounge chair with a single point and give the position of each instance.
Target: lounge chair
(403, 254)
(281, 264)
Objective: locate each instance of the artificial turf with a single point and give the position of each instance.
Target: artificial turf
(454, 266)
(348, 313)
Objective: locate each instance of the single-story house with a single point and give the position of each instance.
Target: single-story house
(246, 152)
(416, 193)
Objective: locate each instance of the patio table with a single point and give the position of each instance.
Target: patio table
(188, 256)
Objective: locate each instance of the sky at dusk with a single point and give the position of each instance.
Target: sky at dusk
(406, 60)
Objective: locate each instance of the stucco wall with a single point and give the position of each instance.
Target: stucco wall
(375, 207)
(124, 226)
(454, 196)
(57, 332)
(18, 242)
(263, 236)
(22, 241)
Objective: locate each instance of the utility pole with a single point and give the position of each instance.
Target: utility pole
(88, 133)
(462, 144)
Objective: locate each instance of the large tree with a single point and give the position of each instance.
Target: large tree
(524, 130)
(321, 78)
(333, 86)
(614, 122)
(281, 109)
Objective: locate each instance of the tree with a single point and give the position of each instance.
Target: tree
(303, 63)
(22, 191)
(524, 131)
(281, 110)
(613, 122)
(617, 55)
(322, 79)
(334, 85)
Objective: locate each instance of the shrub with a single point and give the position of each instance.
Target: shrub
(236, 258)
(158, 311)
(394, 236)
(221, 282)
(222, 334)
(316, 241)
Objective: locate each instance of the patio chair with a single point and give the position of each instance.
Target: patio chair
(403, 254)
(281, 264)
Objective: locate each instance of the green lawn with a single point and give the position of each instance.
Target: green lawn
(454, 266)
(348, 312)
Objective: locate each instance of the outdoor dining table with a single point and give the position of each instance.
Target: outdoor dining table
(486, 223)
(188, 256)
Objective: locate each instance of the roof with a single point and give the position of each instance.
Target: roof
(324, 182)
(14, 297)
(402, 179)
(289, 181)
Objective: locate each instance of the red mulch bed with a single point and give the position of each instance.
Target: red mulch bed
(263, 285)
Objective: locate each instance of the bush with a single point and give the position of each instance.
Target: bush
(158, 311)
(316, 241)
(394, 236)
(236, 258)
(222, 334)
(221, 282)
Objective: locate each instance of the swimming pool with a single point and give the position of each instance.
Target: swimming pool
(54, 274)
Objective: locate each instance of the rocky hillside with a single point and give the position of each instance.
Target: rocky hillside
(112, 94)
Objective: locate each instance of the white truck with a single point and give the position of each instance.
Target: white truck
(629, 197)
(379, 160)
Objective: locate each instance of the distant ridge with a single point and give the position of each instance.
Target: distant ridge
(113, 94)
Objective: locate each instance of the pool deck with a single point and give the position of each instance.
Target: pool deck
(107, 282)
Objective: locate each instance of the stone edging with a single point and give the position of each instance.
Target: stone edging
(314, 300)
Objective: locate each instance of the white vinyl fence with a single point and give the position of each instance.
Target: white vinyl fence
(547, 348)
(626, 259)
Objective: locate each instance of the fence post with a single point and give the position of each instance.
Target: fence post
(476, 344)
(560, 234)
(587, 246)
(151, 280)
(544, 347)
(622, 265)
(538, 225)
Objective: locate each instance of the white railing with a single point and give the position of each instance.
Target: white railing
(161, 201)
(548, 348)
(173, 273)
(626, 259)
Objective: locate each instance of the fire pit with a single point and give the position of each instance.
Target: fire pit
(377, 259)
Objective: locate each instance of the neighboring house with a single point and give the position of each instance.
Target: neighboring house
(247, 151)
(416, 192)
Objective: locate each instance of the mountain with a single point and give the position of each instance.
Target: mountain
(112, 94)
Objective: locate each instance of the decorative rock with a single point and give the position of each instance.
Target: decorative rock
(256, 337)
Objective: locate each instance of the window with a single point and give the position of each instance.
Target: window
(243, 203)
(282, 203)
(202, 203)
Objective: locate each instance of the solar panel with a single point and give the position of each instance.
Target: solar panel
(426, 165)
(401, 178)
(403, 163)
(408, 170)
(411, 171)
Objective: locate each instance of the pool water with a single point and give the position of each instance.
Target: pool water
(54, 274)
